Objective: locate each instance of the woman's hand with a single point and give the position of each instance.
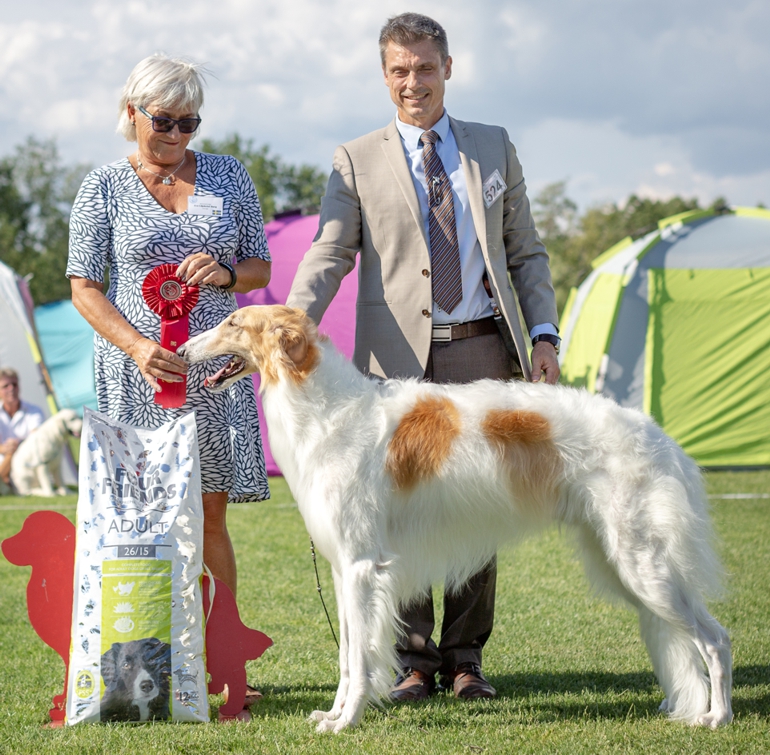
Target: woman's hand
(201, 268)
(156, 363)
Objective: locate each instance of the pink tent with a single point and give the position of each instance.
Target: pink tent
(289, 238)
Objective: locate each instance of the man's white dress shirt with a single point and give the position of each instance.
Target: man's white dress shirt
(475, 303)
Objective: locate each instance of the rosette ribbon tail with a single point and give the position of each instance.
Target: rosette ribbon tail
(168, 296)
(173, 333)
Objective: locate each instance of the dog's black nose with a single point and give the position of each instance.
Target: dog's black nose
(147, 686)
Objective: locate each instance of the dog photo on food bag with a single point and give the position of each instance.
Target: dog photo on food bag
(136, 679)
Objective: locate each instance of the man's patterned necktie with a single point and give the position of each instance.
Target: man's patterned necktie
(442, 230)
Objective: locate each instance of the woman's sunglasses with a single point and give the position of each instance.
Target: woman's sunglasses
(163, 125)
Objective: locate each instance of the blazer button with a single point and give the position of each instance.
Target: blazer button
(426, 273)
(426, 313)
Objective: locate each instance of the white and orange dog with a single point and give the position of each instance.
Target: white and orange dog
(403, 484)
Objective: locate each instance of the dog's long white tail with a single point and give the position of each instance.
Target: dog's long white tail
(678, 666)
(666, 581)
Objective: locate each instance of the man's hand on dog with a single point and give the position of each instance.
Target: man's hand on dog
(544, 362)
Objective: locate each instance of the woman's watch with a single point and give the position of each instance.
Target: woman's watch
(233, 276)
(555, 341)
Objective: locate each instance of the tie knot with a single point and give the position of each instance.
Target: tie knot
(429, 137)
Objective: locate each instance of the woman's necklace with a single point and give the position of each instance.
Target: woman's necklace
(167, 180)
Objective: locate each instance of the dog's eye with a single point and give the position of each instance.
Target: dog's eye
(126, 665)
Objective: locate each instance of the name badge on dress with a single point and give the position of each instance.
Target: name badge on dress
(492, 188)
(205, 205)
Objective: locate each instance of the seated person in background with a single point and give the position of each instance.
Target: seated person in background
(17, 420)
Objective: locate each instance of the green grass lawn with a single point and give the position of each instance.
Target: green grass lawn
(571, 672)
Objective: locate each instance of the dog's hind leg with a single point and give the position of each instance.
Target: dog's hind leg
(680, 635)
(342, 689)
(676, 627)
(714, 644)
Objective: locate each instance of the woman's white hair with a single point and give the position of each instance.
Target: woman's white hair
(168, 83)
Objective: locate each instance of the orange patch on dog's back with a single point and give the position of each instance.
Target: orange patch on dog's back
(524, 441)
(422, 441)
(515, 426)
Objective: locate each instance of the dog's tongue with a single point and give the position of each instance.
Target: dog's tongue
(213, 379)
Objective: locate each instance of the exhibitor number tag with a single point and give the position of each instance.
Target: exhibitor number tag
(492, 188)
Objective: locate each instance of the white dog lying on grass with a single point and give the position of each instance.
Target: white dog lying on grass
(36, 465)
(403, 484)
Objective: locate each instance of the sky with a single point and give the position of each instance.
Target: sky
(616, 97)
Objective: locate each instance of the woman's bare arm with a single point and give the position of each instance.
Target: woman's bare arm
(154, 362)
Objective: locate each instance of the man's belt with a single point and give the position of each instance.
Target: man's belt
(483, 327)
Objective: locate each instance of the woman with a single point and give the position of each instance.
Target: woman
(138, 213)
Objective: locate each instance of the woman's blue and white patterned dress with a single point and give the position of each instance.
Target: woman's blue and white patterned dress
(116, 224)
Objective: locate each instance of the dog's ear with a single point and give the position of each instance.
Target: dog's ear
(294, 343)
(157, 654)
(109, 664)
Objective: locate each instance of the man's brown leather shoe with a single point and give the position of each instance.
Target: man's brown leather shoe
(412, 684)
(468, 682)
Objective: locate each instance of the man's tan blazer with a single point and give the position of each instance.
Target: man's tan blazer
(371, 208)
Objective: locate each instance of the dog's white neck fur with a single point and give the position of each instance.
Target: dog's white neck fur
(305, 419)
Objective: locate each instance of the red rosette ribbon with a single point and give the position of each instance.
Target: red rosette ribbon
(168, 296)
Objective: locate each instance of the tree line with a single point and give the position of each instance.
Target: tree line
(37, 191)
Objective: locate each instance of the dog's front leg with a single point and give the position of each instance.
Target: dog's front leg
(342, 689)
(54, 468)
(355, 594)
(46, 488)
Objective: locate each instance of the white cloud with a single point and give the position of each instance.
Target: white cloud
(603, 163)
(602, 92)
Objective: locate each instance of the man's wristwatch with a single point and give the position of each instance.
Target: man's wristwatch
(555, 341)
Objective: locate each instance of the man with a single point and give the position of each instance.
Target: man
(17, 420)
(437, 210)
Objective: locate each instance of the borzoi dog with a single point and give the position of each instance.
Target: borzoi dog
(403, 484)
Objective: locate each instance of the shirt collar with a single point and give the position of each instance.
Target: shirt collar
(411, 134)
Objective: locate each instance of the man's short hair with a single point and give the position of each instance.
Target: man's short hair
(8, 372)
(408, 28)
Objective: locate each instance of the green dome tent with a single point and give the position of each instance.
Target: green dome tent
(677, 324)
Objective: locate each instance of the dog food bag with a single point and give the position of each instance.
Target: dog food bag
(137, 650)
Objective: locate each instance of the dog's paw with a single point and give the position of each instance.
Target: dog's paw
(714, 719)
(333, 726)
(663, 707)
(324, 715)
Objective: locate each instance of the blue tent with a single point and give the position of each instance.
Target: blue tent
(67, 342)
